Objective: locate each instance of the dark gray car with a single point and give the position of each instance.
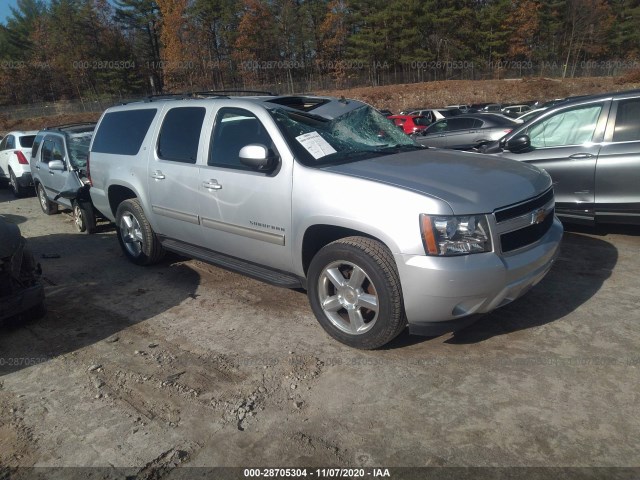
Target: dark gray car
(591, 148)
(466, 132)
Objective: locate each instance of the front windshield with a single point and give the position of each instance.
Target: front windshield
(359, 134)
(78, 145)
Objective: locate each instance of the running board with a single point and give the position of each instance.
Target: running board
(253, 270)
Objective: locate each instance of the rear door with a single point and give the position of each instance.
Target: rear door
(173, 174)
(618, 167)
(566, 144)
(461, 133)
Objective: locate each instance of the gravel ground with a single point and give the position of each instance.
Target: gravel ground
(186, 364)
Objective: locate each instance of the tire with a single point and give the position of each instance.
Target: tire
(135, 235)
(47, 206)
(18, 190)
(343, 312)
(84, 217)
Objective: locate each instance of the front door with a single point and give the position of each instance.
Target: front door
(246, 213)
(52, 180)
(566, 145)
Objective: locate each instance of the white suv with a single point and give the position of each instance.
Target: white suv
(15, 151)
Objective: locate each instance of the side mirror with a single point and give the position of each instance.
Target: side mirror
(57, 165)
(518, 144)
(257, 157)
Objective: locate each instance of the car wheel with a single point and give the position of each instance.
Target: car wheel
(354, 291)
(18, 190)
(83, 217)
(137, 239)
(48, 207)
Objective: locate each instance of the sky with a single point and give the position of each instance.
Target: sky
(5, 11)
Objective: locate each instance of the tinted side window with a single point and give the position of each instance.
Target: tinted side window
(438, 127)
(627, 127)
(47, 149)
(477, 123)
(235, 128)
(26, 141)
(11, 142)
(460, 123)
(36, 143)
(3, 144)
(568, 127)
(180, 134)
(122, 133)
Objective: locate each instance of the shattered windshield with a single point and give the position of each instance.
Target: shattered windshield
(78, 146)
(359, 134)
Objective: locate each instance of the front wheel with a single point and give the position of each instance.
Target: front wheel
(48, 207)
(354, 291)
(83, 217)
(135, 235)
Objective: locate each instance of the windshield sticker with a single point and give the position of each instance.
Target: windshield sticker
(315, 145)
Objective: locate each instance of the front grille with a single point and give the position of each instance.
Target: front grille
(526, 236)
(529, 206)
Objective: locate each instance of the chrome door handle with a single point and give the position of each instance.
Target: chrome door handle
(158, 175)
(212, 185)
(580, 156)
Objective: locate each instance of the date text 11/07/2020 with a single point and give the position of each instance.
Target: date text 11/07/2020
(316, 472)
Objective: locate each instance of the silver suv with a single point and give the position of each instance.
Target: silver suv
(328, 195)
(58, 166)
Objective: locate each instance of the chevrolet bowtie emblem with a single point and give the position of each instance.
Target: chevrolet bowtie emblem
(538, 216)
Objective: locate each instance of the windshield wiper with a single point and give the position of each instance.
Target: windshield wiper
(400, 148)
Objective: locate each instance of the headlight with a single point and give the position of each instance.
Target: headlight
(461, 235)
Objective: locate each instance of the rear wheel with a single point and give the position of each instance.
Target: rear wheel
(18, 190)
(137, 239)
(354, 291)
(48, 207)
(84, 217)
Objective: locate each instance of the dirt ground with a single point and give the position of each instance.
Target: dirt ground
(186, 364)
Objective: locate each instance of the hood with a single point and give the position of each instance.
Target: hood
(469, 182)
(9, 238)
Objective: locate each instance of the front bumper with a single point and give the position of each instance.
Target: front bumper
(21, 302)
(444, 294)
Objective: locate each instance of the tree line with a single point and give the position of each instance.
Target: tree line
(69, 49)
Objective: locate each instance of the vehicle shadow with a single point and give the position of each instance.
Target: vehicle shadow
(582, 267)
(92, 293)
(15, 219)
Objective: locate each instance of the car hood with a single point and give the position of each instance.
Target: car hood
(469, 182)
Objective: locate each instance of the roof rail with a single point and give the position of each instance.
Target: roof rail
(68, 125)
(166, 96)
(230, 92)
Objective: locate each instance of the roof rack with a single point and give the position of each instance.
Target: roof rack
(230, 92)
(68, 125)
(166, 96)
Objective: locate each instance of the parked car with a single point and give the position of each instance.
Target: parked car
(463, 108)
(435, 114)
(59, 166)
(15, 149)
(386, 112)
(466, 132)
(515, 111)
(329, 196)
(591, 148)
(410, 124)
(21, 293)
(491, 107)
(530, 115)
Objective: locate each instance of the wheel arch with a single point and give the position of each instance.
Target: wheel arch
(118, 194)
(319, 235)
